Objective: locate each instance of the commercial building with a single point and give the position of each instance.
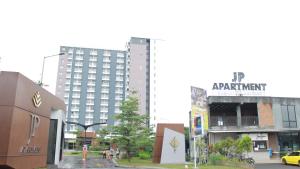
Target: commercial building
(239, 108)
(271, 122)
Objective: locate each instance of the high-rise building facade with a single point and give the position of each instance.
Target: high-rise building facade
(92, 82)
(139, 71)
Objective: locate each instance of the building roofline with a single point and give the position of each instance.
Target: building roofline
(93, 48)
(267, 97)
(138, 37)
(253, 130)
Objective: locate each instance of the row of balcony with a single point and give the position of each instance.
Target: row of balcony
(232, 121)
(89, 116)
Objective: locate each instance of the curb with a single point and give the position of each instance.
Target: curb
(144, 167)
(127, 166)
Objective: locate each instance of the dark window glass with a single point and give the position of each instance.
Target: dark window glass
(292, 113)
(285, 115)
(294, 154)
(289, 116)
(286, 124)
(293, 124)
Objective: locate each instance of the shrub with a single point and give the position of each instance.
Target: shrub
(216, 159)
(75, 152)
(144, 155)
(94, 148)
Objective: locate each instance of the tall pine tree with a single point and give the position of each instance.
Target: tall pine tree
(131, 131)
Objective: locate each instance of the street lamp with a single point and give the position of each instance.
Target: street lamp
(85, 127)
(45, 57)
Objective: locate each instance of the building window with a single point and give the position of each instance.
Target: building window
(289, 116)
(120, 55)
(260, 145)
(106, 53)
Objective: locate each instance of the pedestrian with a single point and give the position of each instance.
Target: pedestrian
(103, 154)
(118, 153)
(107, 154)
(111, 153)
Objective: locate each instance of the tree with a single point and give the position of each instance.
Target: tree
(228, 145)
(225, 147)
(104, 141)
(202, 148)
(244, 144)
(78, 140)
(187, 142)
(131, 133)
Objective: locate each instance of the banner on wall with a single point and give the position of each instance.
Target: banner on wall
(199, 112)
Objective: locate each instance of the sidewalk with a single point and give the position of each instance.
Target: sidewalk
(269, 161)
(263, 158)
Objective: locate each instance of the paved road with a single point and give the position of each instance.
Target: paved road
(275, 166)
(76, 162)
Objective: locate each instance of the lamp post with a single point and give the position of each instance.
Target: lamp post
(85, 127)
(45, 57)
(84, 148)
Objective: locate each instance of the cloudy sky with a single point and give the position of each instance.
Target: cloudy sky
(204, 41)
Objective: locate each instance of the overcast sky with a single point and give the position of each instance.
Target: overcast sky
(204, 41)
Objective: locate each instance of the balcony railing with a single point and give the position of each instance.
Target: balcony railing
(223, 121)
(249, 121)
(232, 121)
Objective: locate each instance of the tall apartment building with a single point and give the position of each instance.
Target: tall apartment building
(92, 82)
(139, 71)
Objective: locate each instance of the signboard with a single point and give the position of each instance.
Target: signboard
(258, 136)
(173, 147)
(33, 126)
(236, 87)
(199, 113)
(25, 121)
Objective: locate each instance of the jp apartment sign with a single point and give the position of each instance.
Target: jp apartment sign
(236, 84)
(35, 122)
(33, 126)
(26, 119)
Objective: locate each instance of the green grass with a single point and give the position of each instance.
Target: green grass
(136, 162)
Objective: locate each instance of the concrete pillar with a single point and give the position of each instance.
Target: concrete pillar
(60, 116)
(239, 115)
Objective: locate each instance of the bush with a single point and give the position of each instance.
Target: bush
(216, 159)
(94, 148)
(144, 155)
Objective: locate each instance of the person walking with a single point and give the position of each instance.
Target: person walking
(111, 153)
(107, 154)
(117, 154)
(103, 154)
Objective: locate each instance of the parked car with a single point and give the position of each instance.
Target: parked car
(291, 158)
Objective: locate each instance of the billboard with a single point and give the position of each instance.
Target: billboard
(199, 112)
